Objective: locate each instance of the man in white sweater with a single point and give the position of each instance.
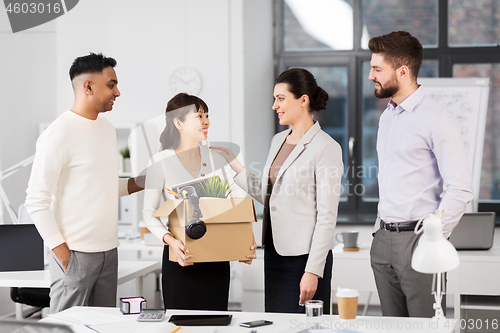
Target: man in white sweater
(74, 187)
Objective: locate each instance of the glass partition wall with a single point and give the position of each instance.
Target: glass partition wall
(461, 38)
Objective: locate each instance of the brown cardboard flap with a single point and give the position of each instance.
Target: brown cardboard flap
(227, 210)
(214, 210)
(167, 207)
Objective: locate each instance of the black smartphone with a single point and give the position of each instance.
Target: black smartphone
(256, 323)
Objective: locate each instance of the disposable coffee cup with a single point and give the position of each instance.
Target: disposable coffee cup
(347, 301)
(349, 238)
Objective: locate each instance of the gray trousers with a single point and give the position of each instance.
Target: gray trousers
(90, 280)
(403, 291)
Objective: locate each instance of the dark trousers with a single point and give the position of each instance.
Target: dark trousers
(201, 286)
(403, 291)
(282, 275)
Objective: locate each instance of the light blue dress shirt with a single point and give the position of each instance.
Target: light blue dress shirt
(423, 164)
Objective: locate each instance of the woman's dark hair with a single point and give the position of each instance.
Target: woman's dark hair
(178, 107)
(302, 82)
(91, 63)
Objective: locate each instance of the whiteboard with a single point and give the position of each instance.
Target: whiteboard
(467, 99)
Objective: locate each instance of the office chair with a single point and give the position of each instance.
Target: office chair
(29, 326)
(36, 297)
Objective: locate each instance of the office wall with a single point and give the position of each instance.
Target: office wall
(159, 36)
(229, 42)
(27, 97)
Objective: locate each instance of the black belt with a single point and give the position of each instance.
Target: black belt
(398, 226)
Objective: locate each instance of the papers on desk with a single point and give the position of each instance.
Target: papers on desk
(89, 318)
(142, 327)
(136, 327)
(93, 321)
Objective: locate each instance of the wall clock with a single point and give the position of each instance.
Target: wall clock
(186, 80)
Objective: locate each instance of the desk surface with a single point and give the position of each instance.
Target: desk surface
(127, 271)
(282, 323)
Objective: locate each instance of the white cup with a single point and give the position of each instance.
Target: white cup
(314, 312)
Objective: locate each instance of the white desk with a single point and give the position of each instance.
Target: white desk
(281, 323)
(139, 250)
(477, 275)
(127, 271)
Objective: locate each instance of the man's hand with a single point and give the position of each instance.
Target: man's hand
(308, 286)
(63, 254)
(136, 184)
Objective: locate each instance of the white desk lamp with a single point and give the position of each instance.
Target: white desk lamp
(434, 255)
(4, 174)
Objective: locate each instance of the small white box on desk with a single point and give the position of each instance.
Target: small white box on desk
(132, 305)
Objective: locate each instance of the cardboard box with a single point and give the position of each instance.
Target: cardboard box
(229, 233)
(143, 230)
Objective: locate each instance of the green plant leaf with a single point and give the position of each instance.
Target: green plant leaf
(125, 153)
(215, 187)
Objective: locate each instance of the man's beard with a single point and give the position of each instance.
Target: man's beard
(389, 91)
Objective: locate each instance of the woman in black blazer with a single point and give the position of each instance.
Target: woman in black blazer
(300, 190)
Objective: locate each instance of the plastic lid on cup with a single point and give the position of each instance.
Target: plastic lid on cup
(347, 293)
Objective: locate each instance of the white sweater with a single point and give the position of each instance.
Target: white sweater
(74, 186)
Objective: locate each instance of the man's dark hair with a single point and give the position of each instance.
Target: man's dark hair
(399, 48)
(92, 63)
